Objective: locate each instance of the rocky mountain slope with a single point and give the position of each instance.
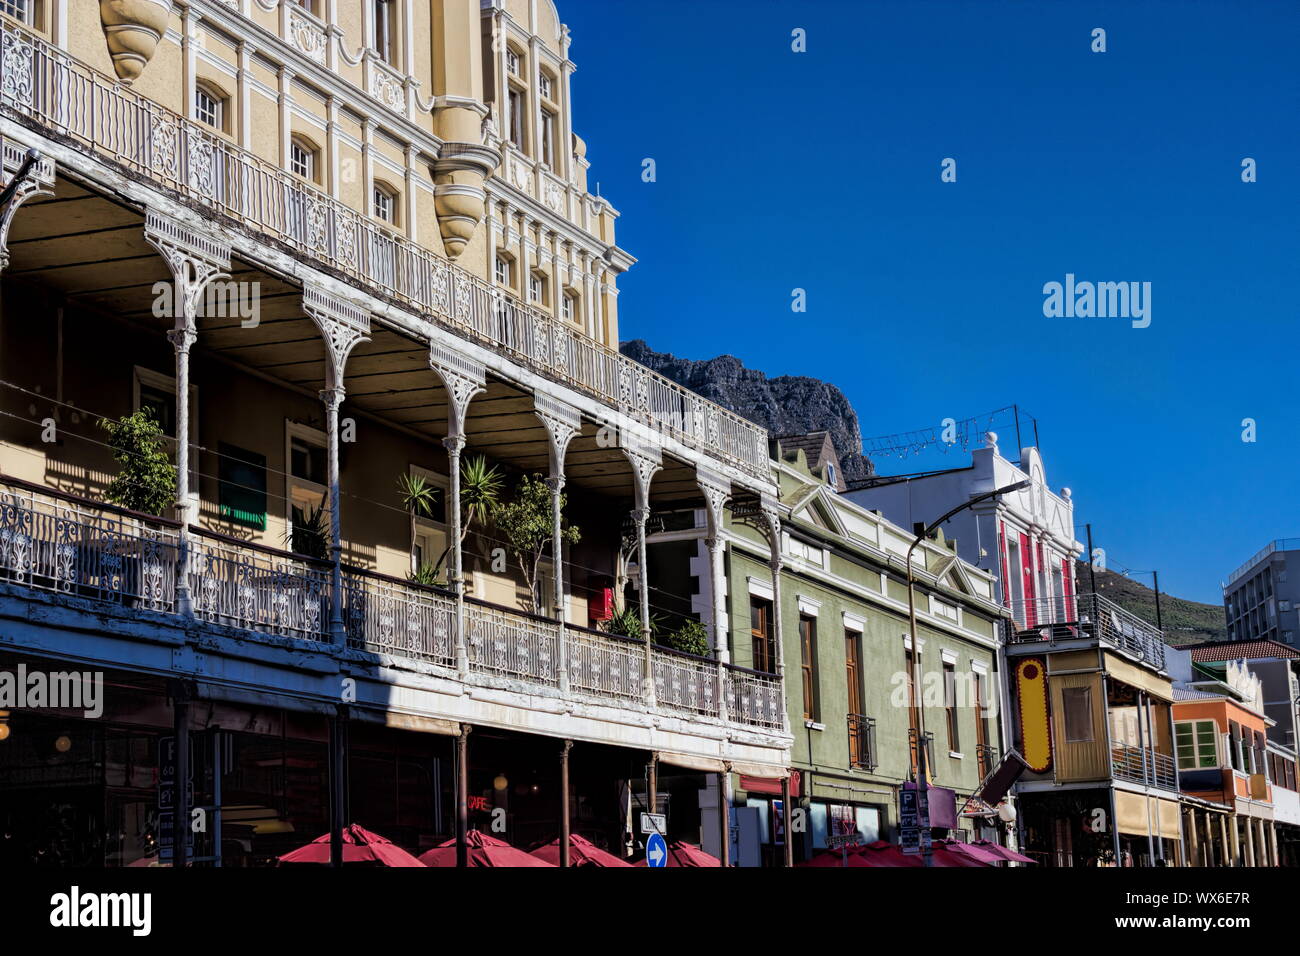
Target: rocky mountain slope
(787, 405)
(1185, 622)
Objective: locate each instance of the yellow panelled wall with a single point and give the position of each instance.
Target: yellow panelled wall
(1079, 760)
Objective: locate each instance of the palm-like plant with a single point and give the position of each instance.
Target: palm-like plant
(418, 498)
(480, 494)
(309, 532)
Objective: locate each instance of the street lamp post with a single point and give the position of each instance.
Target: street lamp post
(918, 701)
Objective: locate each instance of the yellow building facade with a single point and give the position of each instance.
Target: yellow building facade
(332, 247)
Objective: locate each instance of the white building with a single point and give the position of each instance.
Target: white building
(1025, 539)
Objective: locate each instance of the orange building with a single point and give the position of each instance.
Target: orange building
(1220, 739)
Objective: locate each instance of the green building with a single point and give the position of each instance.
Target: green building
(845, 646)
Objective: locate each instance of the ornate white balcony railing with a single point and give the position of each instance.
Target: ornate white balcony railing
(754, 699)
(241, 585)
(605, 665)
(388, 616)
(106, 554)
(685, 684)
(510, 644)
(43, 84)
(76, 546)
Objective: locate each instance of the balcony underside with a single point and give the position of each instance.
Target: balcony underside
(86, 250)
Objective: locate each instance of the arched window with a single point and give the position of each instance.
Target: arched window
(304, 159)
(24, 11)
(383, 203)
(210, 106)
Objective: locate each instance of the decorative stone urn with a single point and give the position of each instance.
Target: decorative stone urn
(459, 199)
(133, 29)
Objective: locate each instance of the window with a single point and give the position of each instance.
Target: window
(950, 706)
(1195, 742)
(302, 159)
(306, 489)
(943, 609)
(384, 204)
(383, 44)
(241, 488)
(548, 137)
(808, 552)
(760, 635)
(23, 11)
(982, 721)
(512, 62)
(913, 717)
(808, 665)
(209, 107)
(567, 308)
(430, 529)
(853, 670)
(544, 86)
(516, 103)
(1077, 704)
(830, 475)
(503, 271)
(537, 288)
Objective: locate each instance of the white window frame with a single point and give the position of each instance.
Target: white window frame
(427, 526)
(1196, 744)
(24, 11)
(305, 169)
(380, 195)
(503, 272)
(313, 436)
(218, 122)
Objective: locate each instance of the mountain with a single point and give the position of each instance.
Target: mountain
(796, 405)
(1185, 622)
(787, 405)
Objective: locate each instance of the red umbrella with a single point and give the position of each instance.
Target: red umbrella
(945, 855)
(978, 853)
(881, 853)
(481, 850)
(686, 854)
(857, 856)
(582, 852)
(360, 847)
(1001, 851)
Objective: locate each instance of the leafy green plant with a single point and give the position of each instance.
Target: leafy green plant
(309, 533)
(691, 638)
(146, 478)
(427, 574)
(626, 622)
(527, 526)
(418, 498)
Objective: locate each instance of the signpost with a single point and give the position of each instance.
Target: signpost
(167, 800)
(914, 820)
(656, 851)
(654, 823)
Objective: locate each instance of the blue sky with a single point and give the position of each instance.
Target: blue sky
(821, 171)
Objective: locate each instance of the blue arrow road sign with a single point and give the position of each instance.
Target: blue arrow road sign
(656, 850)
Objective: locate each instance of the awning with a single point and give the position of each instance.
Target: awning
(692, 762)
(769, 785)
(1135, 676)
(413, 722)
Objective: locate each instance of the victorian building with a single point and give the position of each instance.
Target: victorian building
(821, 595)
(337, 251)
